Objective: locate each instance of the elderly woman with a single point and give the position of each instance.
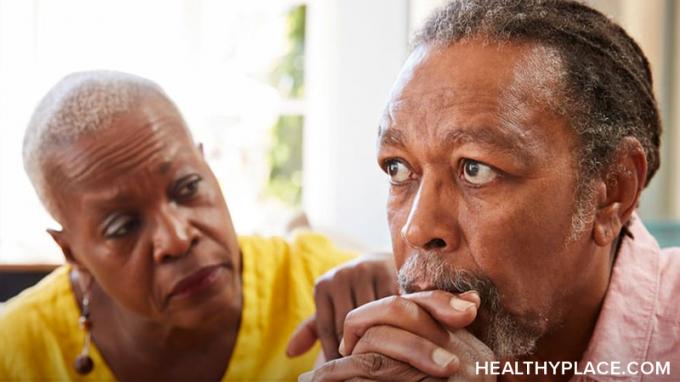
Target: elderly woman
(158, 286)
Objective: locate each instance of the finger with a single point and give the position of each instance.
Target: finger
(475, 348)
(452, 311)
(472, 296)
(303, 338)
(325, 324)
(386, 284)
(371, 366)
(406, 347)
(393, 311)
(363, 293)
(343, 303)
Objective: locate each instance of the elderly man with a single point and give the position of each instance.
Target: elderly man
(158, 285)
(518, 138)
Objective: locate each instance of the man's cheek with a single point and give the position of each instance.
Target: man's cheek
(396, 219)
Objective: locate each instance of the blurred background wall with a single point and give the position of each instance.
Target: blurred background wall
(285, 95)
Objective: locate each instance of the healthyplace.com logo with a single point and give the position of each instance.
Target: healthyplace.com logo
(576, 368)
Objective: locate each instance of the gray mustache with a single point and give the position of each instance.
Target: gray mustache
(430, 270)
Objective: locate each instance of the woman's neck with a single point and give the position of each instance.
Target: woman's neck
(130, 344)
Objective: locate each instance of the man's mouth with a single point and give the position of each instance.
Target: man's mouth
(195, 282)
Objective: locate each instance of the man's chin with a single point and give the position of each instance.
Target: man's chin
(508, 336)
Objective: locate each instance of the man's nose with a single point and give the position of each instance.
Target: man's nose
(432, 221)
(173, 236)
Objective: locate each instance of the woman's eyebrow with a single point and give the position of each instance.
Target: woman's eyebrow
(164, 167)
(104, 203)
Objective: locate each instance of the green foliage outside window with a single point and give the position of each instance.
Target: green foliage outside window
(285, 154)
(288, 75)
(285, 158)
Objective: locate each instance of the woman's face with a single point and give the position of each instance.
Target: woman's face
(144, 215)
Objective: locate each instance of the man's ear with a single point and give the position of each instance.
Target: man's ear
(619, 190)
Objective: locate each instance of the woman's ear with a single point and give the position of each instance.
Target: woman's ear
(84, 276)
(59, 237)
(62, 241)
(619, 191)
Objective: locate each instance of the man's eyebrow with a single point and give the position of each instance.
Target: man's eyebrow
(391, 137)
(504, 140)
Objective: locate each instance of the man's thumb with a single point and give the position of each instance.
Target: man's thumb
(303, 338)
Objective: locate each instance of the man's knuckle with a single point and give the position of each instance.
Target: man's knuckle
(368, 339)
(373, 364)
(397, 306)
(393, 304)
(325, 371)
(379, 366)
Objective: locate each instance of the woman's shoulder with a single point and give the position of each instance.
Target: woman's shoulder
(302, 255)
(38, 307)
(33, 323)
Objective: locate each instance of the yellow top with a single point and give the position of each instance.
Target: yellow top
(40, 337)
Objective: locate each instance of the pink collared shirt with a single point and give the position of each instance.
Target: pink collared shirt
(640, 317)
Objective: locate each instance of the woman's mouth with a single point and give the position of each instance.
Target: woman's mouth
(196, 282)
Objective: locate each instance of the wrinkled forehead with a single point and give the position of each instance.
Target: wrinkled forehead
(145, 140)
(509, 82)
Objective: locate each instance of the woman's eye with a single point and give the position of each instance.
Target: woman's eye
(478, 173)
(189, 187)
(397, 171)
(120, 226)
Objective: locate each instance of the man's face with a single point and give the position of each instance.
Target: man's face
(483, 182)
(143, 213)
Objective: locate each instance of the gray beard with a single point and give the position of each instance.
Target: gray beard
(509, 336)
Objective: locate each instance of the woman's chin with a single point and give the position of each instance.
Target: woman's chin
(217, 299)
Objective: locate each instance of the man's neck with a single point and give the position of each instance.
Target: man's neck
(569, 339)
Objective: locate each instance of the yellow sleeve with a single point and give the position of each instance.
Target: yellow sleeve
(318, 253)
(278, 291)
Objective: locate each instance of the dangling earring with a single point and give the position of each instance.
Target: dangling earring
(84, 363)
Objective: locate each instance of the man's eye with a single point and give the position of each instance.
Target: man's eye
(478, 173)
(120, 226)
(397, 171)
(188, 187)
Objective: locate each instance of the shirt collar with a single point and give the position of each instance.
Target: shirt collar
(623, 329)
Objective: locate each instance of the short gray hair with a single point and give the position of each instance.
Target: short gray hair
(80, 104)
